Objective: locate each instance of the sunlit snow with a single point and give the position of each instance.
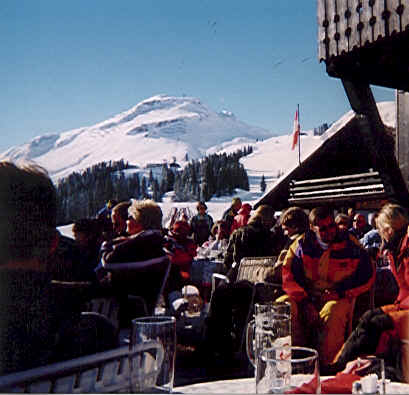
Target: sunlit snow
(271, 156)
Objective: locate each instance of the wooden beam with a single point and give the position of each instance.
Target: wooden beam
(337, 198)
(337, 178)
(345, 191)
(335, 185)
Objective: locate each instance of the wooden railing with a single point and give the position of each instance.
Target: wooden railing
(344, 25)
(105, 372)
(354, 187)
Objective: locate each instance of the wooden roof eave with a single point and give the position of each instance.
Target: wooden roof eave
(277, 197)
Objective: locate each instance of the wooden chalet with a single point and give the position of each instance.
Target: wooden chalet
(344, 171)
(364, 43)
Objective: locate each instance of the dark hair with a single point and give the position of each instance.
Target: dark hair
(90, 226)
(295, 217)
(320, 213)
(201, 203)
(28, 211)
(222, 225)
(122, 209)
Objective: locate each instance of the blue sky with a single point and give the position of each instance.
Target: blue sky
(67, 64)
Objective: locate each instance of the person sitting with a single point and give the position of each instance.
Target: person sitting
(88, 235)
(294, 223)
(254, 239)
(359, 226)
(342, 221)
(231, 212)
(351, 212)
(379, 331)
(119, 216)
(216, 246)
(34, 319)
(145, 242)
(104, 217)
(201, 224)
(66, 263)
(181, 248)
(323, 271)
(372, 239)
(242, 218)
(230, 302)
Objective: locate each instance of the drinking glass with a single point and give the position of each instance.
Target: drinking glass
(272, 308)
(152, 371)
(372, 370)
(270, 327)
(288, 370)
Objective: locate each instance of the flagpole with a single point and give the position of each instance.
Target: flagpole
(299, 136)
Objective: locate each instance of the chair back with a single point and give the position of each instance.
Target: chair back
(257, 269)
(145, 279)
(108, 307)
(105, 372)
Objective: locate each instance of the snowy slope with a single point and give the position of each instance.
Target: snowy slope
(157, 129)
(275, 155)
(164, 127)
(269, 157)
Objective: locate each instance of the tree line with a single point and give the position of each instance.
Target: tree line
(82, 194)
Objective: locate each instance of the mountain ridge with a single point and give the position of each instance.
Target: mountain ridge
(61, 154)
(170, 126)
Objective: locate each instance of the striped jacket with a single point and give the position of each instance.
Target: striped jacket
(344, 268)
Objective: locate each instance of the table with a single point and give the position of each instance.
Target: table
(248, 386)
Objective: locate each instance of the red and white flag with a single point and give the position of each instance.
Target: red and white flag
(296, 131)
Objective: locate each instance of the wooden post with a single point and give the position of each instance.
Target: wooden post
(402, 136)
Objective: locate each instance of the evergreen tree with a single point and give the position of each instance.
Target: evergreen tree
(164, 178)
(150, 177)
(156, 195)
(263, 184)
(144, 188)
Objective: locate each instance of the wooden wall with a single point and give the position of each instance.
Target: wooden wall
(344, 25)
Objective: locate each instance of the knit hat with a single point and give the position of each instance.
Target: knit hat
(181, 228)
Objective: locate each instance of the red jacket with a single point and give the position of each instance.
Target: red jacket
(242, 217)
(181, 254)
(400, 270)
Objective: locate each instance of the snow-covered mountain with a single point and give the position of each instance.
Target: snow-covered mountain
(164, 127)
(270, 157)
(156, 129)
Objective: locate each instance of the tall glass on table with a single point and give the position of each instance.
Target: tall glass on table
(289, 370)
(152, 371)
(270, 327)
